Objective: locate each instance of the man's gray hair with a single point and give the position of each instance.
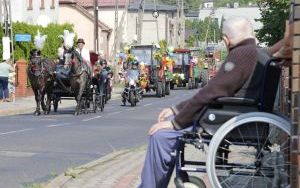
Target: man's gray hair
(237, 29)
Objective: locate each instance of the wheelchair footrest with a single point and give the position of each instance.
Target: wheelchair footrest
(192, 169)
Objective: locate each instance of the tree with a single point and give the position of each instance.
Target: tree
(188, 4)
(274, 14)
(202, 30)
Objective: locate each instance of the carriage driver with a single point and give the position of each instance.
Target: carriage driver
(84, 53)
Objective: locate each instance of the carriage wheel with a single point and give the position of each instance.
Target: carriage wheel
(250, 150)
(102, 102)
(94, 102)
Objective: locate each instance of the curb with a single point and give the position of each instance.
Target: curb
(68, 175)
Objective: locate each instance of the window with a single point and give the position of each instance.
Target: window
(42, 4)
(53, 4)
(29, 5)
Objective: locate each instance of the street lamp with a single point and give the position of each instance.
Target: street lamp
(155, 13)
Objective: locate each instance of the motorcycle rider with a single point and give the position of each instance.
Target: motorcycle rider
(132, 65)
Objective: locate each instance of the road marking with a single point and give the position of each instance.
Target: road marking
(112, 113)
(89, 119)
(58, 125)
(131, 109)
(148, 104)
(16, 154)
(18, 131)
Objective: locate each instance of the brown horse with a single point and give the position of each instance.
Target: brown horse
(40, 73)
(80, 79)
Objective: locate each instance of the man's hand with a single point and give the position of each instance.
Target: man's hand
(160, 125)
(164, 114)
(285, 52)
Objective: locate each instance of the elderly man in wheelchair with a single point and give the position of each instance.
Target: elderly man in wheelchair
(248, 143)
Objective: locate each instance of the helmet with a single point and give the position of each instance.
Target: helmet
(135, 62)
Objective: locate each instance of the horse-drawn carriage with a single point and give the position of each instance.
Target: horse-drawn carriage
(73, 80)
(70, 78)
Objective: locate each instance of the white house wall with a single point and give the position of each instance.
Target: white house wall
(149, 29)
(107, 16)
(21, 13)
(83, 27)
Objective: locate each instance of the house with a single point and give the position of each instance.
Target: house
(41, 12)
(208, 4)
(107, 14)
(127, 14)
(168, 27)
(71, 12)
(251, 13)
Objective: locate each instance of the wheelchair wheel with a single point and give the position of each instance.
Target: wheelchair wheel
(250, 150)
(194, 182)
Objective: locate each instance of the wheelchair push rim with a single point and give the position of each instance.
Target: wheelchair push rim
(235, 160)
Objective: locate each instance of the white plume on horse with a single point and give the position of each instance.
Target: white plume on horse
(68, 39)
(39, 40)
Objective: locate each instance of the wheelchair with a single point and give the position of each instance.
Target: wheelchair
(248, 143)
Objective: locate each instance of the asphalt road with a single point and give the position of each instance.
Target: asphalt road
(35, 149)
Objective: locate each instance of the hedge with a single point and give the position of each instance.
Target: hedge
(22, 49)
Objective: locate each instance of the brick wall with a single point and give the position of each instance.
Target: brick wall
(22, 88)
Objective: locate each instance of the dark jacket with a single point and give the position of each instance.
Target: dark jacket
(234, 73)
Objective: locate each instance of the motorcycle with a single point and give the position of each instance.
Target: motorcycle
(132, 91)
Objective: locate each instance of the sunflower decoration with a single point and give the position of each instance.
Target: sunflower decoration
(130, 57)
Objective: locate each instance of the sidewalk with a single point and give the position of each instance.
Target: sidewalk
(120, 169)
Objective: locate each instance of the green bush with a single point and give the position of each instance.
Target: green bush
(22, 49)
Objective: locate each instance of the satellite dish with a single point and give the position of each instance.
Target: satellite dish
(43, 20)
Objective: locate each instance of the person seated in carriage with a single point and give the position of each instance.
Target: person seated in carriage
(85, 54)
(233, 79)
(102, 77)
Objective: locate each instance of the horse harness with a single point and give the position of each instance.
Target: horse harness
(35, 69)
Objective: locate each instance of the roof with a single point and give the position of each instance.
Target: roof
(102, 3)
(194, 14)
(102, 25)
(67, 1)
(151, 7)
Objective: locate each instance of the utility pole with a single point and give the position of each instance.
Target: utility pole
(156, 18)
(116, 38)
(177, 24)
(96, 35)
(182, 28)
(5, 14)
(140, 21)
(116, 27)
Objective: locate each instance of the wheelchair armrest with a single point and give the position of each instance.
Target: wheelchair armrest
(236, 101)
